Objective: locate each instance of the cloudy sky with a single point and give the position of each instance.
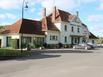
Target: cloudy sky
(90, 11)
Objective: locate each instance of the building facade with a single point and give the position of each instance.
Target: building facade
(60, 27)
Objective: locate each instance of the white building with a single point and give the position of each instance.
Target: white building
(59, 27)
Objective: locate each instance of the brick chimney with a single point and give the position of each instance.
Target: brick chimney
(44, 20)
(44, 13)
(54, 14)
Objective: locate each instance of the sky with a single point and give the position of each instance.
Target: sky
(90, 11)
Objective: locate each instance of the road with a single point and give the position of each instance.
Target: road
(55, 64)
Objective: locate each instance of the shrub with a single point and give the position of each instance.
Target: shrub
(13, 53)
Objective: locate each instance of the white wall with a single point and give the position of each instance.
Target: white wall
(90, 41)
(64, 33)
(3, 41)
(83, 31)
(58, 25)
(15, 36)
(52, 33)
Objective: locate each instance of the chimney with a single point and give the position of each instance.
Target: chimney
(77, 14)
(44, 21)
(44, 13)
(54, 14)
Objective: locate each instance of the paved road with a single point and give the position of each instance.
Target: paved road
(56, 64)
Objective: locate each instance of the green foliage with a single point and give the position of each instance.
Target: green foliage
(38, 45)
(1, 26)
(100, 40)
(13, 53)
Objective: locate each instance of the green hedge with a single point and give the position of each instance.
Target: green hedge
(13, 53)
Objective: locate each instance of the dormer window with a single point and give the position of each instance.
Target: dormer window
(65, 27)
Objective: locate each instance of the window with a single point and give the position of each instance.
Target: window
(92, 41)
(65, 39)
(65, 28)
(50, 37)
(72, 29)
(8, 40)
(53, 37)
(78, 30)
(56, 37)
(26, 40)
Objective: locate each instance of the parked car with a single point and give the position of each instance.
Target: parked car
(92, 45)
(83, 46)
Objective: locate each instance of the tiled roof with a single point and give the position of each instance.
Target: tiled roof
(84, 25)
(64, 15)
(72, 17)
(24, 26)
(14, 28)
(92, 36)
(51, 25)
(47, 23)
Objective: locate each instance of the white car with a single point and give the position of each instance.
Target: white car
(83, 46)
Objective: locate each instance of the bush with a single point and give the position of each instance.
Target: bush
(12, 53)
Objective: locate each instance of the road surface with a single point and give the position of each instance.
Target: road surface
(55, 64)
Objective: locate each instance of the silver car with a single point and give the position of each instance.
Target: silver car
(82, 46)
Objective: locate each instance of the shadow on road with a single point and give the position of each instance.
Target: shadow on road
(63, 51)
(42, 54)
(38, 55)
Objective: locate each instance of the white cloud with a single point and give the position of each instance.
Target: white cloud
(87, 1)
(2, 16)
(10, 4)
(7, 16)
(101, 6)
(62, 4)
(32, 10)
(95, 18)
(97, 29)
(10, 16)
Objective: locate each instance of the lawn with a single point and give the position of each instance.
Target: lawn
(11, 53)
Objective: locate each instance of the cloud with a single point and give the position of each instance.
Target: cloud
(87, 1)
(95, 18)
(101, 6)
(7, 16)
(15, 4)
(97, 29)
(61, 4)
(2, 16)
(66, 5)
(32, 10)
(10, 4)
(10, 16)
(96, 23)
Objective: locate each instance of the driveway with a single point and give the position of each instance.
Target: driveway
(56, 63)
